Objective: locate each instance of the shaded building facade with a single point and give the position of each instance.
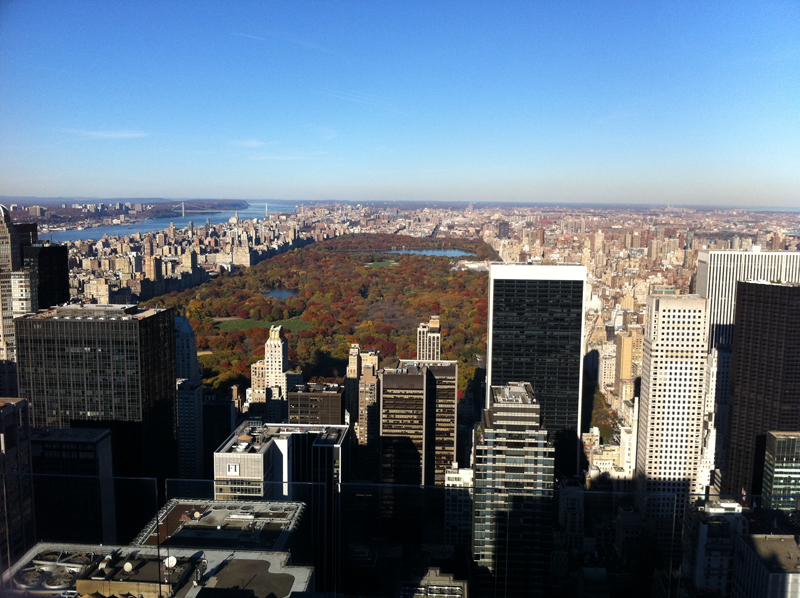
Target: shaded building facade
(535, 335)
(765, 379)
(105, 366)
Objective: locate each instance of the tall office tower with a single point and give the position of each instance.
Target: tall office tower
(417, 422)
(351, 382)
(107, 366)
(717, 275)
(672, 407)
(17, 533)
(781, 488)
(187, 366)
(441, 417)
(49, 264)
(513, 492)
(189, 390)
(271, 378)
(316, 404)
(73, 474)
(536, 328)
(10, 258)
(367, 426)
(765, 379)
(429, 340)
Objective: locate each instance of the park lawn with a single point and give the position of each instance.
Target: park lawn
(290, 324)
(381, 264)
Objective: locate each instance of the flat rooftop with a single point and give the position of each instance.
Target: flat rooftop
(94, 312)
(315, 387)
(778, 554)
(254, 437)
(69, 434)
(513, 392)
(51, 569)
(257, 525)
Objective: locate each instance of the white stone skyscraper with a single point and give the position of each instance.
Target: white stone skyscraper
(673, 406)
(429, 340)
(271, 378)
(717, 275)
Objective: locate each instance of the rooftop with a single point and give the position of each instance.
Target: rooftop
(51, 570)
(69, 434)
(254, 436)
(240, 525)
(513, 392)
(94, 312)
(318, 387)
(779, 554)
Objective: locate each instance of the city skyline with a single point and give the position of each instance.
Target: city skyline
(679, 104)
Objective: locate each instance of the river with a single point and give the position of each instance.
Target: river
(160, 224)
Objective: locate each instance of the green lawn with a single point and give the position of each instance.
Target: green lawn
(290, 324)
(381, 264)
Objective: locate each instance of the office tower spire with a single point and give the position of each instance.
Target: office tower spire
(536, 327)
(765, 379)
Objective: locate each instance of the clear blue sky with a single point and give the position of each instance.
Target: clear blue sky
(680, 102)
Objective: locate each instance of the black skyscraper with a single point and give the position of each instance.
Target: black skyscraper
(536, 336)
(765, 379)
(50, 263)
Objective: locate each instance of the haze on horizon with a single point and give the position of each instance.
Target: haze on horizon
(676, 102)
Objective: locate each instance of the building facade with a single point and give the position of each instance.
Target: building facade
(316, 404)
(513, 493)
(535, 335)
(105, 366)
(672, 405)
(765, 379)
(782, 471)
(429, 340)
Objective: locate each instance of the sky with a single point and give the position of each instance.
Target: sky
(624, 102)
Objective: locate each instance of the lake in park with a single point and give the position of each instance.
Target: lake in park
(280, 293)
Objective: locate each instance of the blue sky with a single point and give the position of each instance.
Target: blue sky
(678, 102)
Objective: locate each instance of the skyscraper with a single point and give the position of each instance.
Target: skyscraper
(417, 422)
(717, 275)
(765, 379)
(672, 407)
(271, 378)
(109, 366)
(781, 488)
(513, 490)
(17, 533)
(535, 335)
(429, 340)
(49, 263)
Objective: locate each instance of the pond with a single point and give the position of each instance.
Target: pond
(280, 293)
(442, 252)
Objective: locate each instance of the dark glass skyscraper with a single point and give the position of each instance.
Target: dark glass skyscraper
(765, 379)
(105, 366)
(536, 336)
